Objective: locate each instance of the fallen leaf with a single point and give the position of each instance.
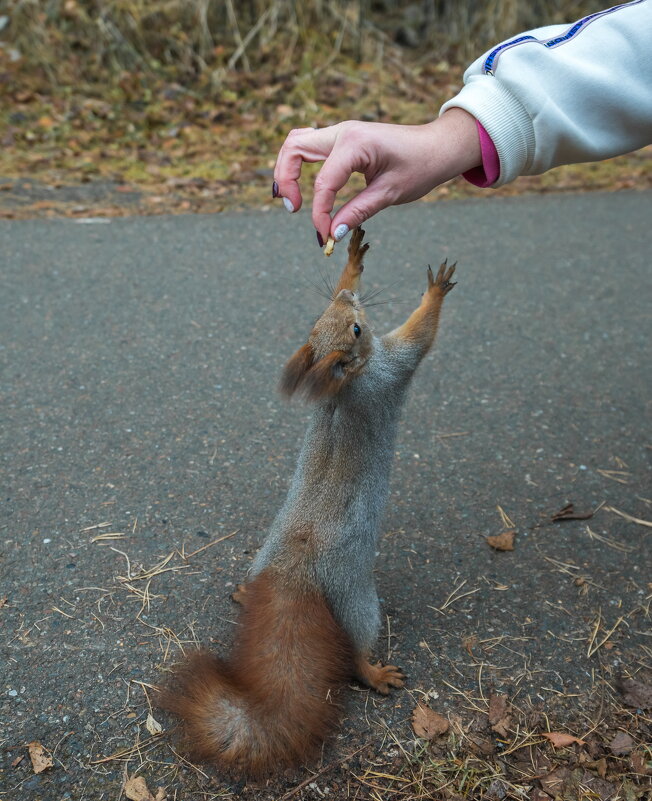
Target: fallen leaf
(568, 513)
(640, 764)
(622, 744)
(152, 725)
(16, 762)
(40, 756)
(427, 723)
(480, 746)
(136, 789)
(598, 765)
(560, 739)
(499, 714)
(597, 788)
(636, 693)
(539, 795)
(554, 782)
(503, 541)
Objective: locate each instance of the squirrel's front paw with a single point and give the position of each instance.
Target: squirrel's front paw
(379, 677)
(442, 283)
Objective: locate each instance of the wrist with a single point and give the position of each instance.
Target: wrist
(458, 142)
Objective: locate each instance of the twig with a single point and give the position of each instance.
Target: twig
(452, 598)
(208, 545)
(507, 521)
(97, 525)
(233, 22)
(240, 50)
(593, 648)
(629, 518)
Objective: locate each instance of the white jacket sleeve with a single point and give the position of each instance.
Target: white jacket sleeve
(565, 93)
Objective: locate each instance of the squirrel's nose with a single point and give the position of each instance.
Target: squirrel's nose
(346, 295)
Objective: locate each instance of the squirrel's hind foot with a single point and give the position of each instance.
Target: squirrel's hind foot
(240, 595)
(379, 677)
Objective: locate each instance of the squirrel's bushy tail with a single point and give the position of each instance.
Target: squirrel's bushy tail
(270, 705)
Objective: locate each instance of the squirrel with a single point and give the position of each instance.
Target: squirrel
(310, 612)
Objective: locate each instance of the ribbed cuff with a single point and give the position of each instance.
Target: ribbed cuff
(505, 120)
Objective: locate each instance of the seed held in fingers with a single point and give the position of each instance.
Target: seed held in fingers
(330, 245)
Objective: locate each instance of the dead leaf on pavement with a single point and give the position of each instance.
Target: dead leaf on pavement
(427, 723)
(152, 725)
(503, 541)
(40, 756)
(136, 789)
(622, 744)
(636, 693)
(561, 739)
(499, 714)
(554, 782)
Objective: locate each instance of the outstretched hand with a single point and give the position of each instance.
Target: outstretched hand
(400, 163)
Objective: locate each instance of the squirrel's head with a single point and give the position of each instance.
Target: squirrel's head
(337, 350)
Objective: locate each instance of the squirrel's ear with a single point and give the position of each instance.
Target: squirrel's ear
(296, 369)
(325, 377)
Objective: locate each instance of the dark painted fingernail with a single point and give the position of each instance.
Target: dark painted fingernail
(274, 189)
(320, 239)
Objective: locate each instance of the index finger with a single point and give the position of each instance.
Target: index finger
(301, 144)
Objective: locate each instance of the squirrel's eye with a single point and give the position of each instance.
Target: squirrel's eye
(357, 330)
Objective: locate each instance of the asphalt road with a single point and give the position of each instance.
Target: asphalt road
(139, 360)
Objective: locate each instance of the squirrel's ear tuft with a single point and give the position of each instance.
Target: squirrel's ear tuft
(296, 369)
(325, 377)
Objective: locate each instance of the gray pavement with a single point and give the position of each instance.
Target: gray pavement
(139, 359)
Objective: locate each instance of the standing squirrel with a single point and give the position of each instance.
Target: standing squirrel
(310, 613)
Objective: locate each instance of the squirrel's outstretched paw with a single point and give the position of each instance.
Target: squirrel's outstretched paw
(442, 282)
(379, 677)
(240, 594)
(356, 248)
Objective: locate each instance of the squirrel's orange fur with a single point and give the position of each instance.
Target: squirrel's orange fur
(272, 703)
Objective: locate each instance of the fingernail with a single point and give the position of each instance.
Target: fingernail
(274, 189)
(289, 205)
(320, 239)
(340, 232)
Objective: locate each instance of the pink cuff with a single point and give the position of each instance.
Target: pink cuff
(488, 173)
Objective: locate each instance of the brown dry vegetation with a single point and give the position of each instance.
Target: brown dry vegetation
(179, 106)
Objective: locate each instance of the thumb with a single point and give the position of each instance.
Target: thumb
(374, 198)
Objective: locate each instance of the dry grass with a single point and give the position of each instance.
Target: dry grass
(193, 40)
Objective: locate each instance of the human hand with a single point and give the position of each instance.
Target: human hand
(400, 163)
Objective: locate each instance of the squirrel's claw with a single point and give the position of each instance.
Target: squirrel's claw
(379, 677)
(442, 282)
